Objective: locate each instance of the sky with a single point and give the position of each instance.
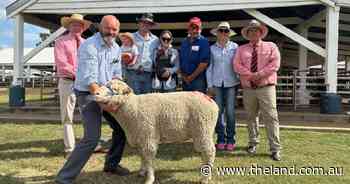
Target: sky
(7, 26)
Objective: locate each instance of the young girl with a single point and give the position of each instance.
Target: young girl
(166, 64)
(128, 49)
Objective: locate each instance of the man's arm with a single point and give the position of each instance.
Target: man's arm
(61, 60)
(273, 65)
(238, 66)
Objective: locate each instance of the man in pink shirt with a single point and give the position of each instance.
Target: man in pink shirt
(257, 64)
(66, 49)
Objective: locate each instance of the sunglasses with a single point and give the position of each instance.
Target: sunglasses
(166, 39)
(224, 30)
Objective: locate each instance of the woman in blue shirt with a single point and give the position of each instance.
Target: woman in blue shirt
(222, 84)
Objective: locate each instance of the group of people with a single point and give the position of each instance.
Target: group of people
(149, 64)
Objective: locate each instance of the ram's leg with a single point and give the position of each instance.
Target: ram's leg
(205, 145)
(149, 155)
(143, 170)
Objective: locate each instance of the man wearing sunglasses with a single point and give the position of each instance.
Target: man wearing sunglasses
(194, 58)
(139, 75)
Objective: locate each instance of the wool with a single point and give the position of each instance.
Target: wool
(151, 119)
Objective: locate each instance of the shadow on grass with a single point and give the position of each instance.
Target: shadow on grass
(20, 150)
(162, 177)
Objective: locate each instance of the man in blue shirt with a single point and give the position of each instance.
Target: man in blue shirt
(139, 75)
(98, 62)
(194, 58)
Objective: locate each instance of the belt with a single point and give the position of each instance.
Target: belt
(68, 78)
(81, 93)
(258, 87)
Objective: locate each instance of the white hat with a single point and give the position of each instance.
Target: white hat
(254, 24)
(66, 21)
(223, 25)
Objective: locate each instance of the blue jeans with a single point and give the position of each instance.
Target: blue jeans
(140, 83)
(198, 84)
(92, 119)
(225, 98)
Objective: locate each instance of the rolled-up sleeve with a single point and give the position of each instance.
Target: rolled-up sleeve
(88, 63)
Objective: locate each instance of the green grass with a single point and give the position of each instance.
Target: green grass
(32, 153)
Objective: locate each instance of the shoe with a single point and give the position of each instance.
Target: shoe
(230, 147)
(220, 147)
(276, 156)
(119, 170)
(251, 149)
(100, 149)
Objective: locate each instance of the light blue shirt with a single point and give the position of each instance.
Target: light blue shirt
(146, 50)
(220, 72)
(97, 63)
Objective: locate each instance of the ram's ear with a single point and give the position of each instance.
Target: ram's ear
(117, 100)
(127, 90)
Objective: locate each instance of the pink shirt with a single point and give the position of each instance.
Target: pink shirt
(269, 60)
(66, 53)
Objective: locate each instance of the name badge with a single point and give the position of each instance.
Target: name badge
(195, 48)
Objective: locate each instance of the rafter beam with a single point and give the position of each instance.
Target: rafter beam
(45, 43)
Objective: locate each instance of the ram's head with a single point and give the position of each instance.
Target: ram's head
(114, 93)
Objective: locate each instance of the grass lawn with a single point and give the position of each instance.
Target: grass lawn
(32, 153)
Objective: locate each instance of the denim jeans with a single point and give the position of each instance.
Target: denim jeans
(225, 98)
(140, 83)
(198, 84)
(91, 114)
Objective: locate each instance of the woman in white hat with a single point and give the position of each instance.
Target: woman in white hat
(222, 84)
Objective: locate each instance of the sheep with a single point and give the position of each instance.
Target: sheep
(155, 118)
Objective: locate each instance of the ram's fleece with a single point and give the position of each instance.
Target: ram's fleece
(163, 117)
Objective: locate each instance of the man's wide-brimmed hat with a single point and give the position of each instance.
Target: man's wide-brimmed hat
(254, 24)
(127, 35)
(223, 25)
(146, 17)
(66, 21)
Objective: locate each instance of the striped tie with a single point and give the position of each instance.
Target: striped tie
(254, 63)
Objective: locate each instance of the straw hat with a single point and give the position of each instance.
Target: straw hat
(223, 25)
(254, 24)
(128, 35)
(66, 21)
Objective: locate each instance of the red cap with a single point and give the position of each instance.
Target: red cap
(195, 21)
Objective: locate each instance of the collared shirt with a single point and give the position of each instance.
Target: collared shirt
(146, 50)
(220, 72)
(269, 60)
(97, 63)
(66, 52)
(193, 53)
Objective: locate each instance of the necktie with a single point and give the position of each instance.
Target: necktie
(254, 62)
(78, 41)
